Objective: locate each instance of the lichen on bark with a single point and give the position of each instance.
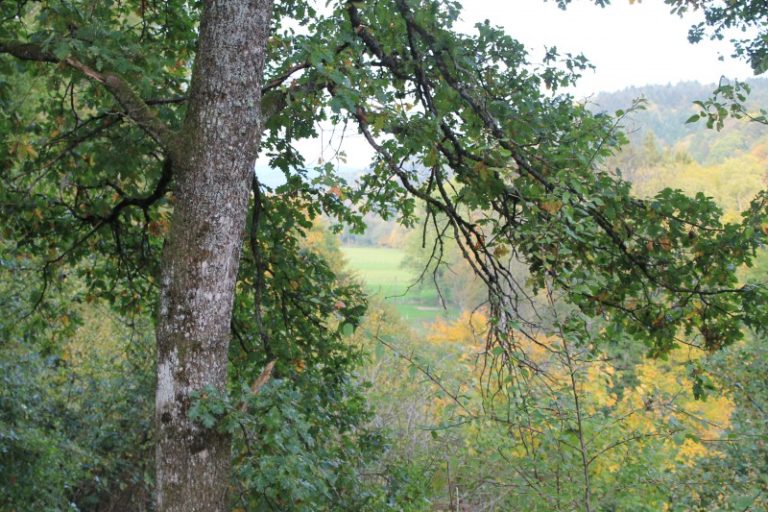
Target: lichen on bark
(213, 167)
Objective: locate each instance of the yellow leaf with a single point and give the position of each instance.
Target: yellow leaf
(551, 207)
(501, 251)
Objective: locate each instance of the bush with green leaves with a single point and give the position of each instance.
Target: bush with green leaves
(75, 435)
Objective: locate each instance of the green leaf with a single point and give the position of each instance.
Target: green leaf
(694, 118)
(62, 50)
(347, 329)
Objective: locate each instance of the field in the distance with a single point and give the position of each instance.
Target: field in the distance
(380, 268)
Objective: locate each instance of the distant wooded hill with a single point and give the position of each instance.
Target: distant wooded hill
(667, 109)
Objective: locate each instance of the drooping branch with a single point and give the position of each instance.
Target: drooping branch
(161, 188)
(640, 247)
(260, 266)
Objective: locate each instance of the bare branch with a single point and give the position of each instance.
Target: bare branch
(260, 382)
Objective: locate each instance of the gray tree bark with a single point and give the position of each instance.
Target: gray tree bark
(213, 159)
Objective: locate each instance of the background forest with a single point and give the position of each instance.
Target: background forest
(369, 369)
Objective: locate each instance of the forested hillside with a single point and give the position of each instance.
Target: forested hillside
(662, 120)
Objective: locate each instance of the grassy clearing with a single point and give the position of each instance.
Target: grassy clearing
(381, 270)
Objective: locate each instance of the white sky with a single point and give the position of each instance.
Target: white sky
(636, 44)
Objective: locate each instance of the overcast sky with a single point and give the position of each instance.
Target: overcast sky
(636, 44)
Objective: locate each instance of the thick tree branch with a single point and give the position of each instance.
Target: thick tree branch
(27, 51)
(135, 107)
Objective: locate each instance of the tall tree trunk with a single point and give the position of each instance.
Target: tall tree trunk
(213, 164)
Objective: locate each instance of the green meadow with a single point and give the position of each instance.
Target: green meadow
(382, 271)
